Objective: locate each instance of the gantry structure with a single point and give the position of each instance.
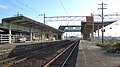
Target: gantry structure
(87, 27)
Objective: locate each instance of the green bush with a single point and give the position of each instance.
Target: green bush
(117, 46)
(103, 45)
(111, 49)
(114, 48)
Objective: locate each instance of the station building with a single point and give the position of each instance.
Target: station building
(87, 28)
(23, 29)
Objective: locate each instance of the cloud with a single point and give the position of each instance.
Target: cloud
(3, 6)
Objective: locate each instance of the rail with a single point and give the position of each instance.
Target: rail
(63, 64)
(25, 57)
(69, 56)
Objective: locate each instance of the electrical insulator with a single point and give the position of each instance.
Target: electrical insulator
(103, 30)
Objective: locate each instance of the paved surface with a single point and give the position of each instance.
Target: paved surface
(90, 55)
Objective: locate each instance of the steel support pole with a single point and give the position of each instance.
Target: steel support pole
(98, 31)
(41, 35)
(92, 27)
(31, 35)
(102, 25)
(102, 20)
(44, 18)
(10, 32)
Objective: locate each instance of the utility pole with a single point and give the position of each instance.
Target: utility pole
(44, 18)
(102, 20)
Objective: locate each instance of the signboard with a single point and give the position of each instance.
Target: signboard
(89, 19)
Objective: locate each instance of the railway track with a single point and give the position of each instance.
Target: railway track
(62, 59)
(36, 58)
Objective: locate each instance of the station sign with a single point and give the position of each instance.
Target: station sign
(88, 27)
(89, 19)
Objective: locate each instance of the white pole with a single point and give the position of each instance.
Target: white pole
(31, 35)
(98, 33)
(92, 27)
(10, 32)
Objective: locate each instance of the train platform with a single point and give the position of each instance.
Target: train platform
(90, 55)
(16, 49)
(26, 43)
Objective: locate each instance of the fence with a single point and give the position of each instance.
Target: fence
(4, 38)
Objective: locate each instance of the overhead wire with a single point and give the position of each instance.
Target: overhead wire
(17, 6)
(27, 6)
(63, 9)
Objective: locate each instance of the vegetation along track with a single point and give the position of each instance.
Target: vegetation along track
(36, 58)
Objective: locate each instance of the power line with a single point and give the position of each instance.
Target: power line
(63, 7)
(27, 6)
(16, 6)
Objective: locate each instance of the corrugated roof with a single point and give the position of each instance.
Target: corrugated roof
(86, 27)
(25, 21)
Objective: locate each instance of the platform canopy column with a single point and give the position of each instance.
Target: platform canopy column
(86, 36)
(60, 36)
(31, 35)
(10, 25)
(98, 31)
(50, 35)
(57, 36)
(92, 36)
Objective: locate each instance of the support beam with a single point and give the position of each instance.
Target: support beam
(10, 26)
(31, 35)
(92, 27)
(41, 35)
(98, 33)
(57, 36)
(60, 36)
(44, 18)
(86, 36)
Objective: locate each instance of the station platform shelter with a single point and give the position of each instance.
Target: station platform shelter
(88, 28)
(23, 29)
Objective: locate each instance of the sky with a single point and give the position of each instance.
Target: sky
(35, 8)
